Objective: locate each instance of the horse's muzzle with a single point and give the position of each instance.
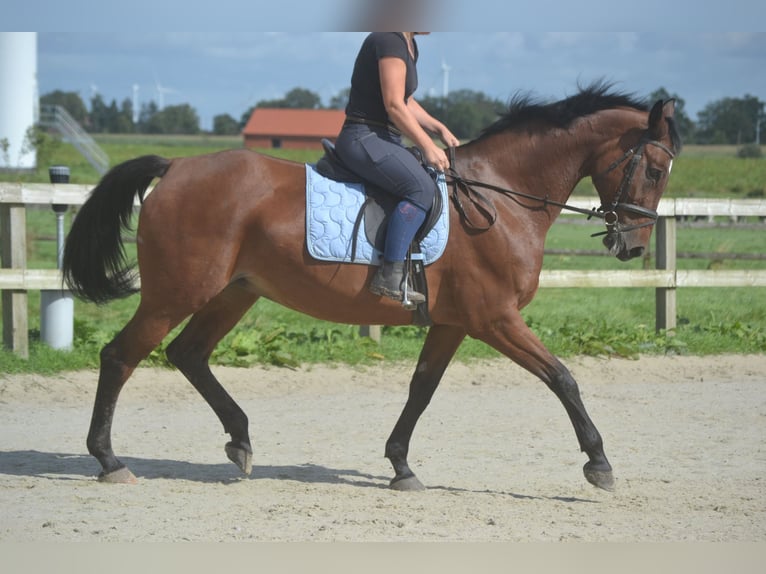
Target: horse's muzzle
(615, 243)
(627, 254)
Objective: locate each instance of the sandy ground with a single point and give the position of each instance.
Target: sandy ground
(686, 437)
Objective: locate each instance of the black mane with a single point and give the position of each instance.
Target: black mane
(596, 97)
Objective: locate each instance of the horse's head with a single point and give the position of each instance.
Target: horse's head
(631, 184)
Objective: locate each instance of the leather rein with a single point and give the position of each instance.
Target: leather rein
(607, 213)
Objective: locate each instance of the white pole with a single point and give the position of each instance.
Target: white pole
(135, 103)
(445, 79)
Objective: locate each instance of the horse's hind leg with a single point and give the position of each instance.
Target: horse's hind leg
(118, 360)
(440, 346)
(191, 351)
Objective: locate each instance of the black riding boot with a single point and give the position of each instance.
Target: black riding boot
(388, 281)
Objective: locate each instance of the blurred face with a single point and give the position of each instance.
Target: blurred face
(390, 15)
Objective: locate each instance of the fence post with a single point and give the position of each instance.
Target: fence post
(13, 252)
(666, 259)
(371, 331)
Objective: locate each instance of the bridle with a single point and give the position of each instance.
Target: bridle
(607, 213)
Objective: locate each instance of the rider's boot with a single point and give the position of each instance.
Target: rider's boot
(389, 282)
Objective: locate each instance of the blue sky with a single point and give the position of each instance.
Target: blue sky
(679, 46)
(139, 16)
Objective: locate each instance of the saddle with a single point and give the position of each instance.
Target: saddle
(375, 213)
(378, 204)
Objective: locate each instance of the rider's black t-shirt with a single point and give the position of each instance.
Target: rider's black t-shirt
(366, 97)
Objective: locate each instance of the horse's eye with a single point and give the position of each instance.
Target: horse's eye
(653, 173)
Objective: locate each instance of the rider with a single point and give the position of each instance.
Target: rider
(380, 110)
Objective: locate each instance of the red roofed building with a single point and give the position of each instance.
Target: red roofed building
(291, 128)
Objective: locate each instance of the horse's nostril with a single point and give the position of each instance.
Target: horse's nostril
(628, 254)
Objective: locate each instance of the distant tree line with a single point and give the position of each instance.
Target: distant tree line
(725, 121)
(111, 118)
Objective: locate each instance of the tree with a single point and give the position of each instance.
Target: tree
(685, 125)
(43, 143)
(730, 120)
(110, 118)
(340, 100)
(148, 110)
(99, 114)
(246, 117)
(300, 98)
(70, 101)
(466, 112)
(123, 122)
(180, 119)
(224, 125)
(297, 98)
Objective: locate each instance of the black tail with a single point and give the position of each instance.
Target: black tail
(95, 266)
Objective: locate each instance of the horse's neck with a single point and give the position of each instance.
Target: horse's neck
(547, 164)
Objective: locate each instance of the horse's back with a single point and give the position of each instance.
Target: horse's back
(222, 184)
(235, 167)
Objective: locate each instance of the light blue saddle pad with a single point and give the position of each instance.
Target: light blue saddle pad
(331, 211)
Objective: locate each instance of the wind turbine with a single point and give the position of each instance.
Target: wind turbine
(445, 78)
(135, 103)
(161, 91)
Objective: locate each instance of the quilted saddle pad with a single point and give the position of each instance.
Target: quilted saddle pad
(332, 209)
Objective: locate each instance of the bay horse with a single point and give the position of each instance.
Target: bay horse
(219, 231)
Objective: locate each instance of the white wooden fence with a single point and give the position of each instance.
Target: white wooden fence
(16, 279)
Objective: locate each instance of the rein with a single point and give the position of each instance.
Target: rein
(608, 214)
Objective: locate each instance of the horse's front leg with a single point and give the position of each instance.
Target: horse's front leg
(513, 338)
(440, 346)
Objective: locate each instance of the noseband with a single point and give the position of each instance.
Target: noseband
(609, 213)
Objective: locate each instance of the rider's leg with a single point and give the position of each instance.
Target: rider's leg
(403, 224)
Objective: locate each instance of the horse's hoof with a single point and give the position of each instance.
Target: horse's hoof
(119, 476)
(410, 484)
(241, 457)
(603, 479)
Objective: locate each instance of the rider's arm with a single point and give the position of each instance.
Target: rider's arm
(393, 72)
(431, 124)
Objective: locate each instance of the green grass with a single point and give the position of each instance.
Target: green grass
(710, 172)
(569, 321)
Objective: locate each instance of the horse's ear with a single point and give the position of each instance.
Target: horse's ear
(658, 127)
(669, 108)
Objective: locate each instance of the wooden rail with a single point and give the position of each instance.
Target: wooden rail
(16, 279)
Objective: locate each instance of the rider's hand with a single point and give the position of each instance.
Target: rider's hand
(436, 158)
(448, 138)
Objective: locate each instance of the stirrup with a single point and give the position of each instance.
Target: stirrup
(408, 303)
(402, 297)
(392, 281)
